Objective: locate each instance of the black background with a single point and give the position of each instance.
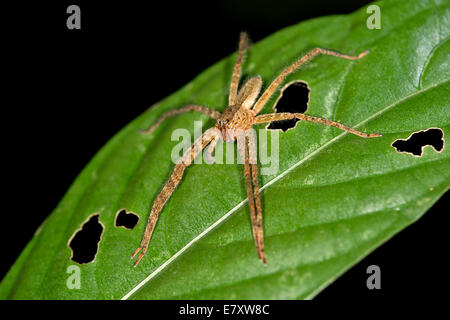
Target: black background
(69, 91)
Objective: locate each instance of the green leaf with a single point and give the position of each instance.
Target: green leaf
(335, 198)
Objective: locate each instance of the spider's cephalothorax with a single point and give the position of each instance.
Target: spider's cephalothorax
(240, 115)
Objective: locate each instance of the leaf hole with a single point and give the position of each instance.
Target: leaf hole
(294, 98)
(84, 242)
(417, 141)
(125, 219)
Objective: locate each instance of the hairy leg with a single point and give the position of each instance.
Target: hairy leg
(209, 154)
(284, 116)
(205, 110)
(169, 188)
(243, 42)
(254, 199)
(310, 55)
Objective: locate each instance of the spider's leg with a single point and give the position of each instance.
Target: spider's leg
(278, 80)
(205, 110)
(258, 226)
(209, 152)
(243, 42)
(254, 199)
(170, 186)
(284, 116)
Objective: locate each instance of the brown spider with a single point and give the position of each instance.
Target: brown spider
(237, 120)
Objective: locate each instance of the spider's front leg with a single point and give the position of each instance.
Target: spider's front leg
(247, 149)
(169, 188)
(296, 65)
(202, 109)
(243, 44)
(286, 116)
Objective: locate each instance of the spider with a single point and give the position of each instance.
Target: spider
(236, 121)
